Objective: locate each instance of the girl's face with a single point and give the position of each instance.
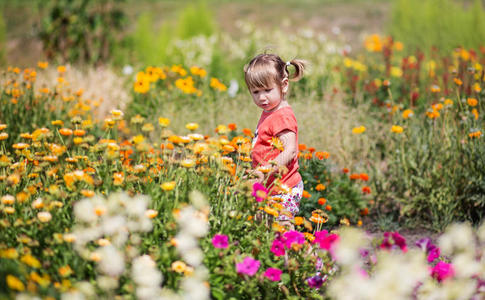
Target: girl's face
(270, 98)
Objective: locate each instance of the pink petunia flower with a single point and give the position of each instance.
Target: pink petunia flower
(278, 247)
(273, 274)
(259, 192)
(293, 237)
(326, 241)
(442, 271)
(248, 266)
(220, 241)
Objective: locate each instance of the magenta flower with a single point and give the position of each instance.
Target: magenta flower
(442, 271)
(434, 253)
(278, 248)
(326, 241)
(293, 237)
(393, 240)
(259, 192)
(273, 274)
(248, 266)
(220, 241)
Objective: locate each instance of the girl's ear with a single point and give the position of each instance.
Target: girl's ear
(284, 85)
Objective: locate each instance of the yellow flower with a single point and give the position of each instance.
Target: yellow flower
(118, 178)
(42, 64)
(30, 261)
(3, 126)
(192, 126)
(168, 186)
(3, 136)
(151, 213)
(65, 271)
(472, 102)
(448, 102)
(9, 210)
(277, 143)
(358, 130)
(188, 163)
(20, 146)
(407, 113)
(14, 283)
(217, 85)
(138, 119)
(397, 129)
(178, 266)
(147, 127)
(396, 72)
(44, 216)
(141, 86)
(373, 43)
(61, 69)
(475, 113)
(164, 122)
(8, 199)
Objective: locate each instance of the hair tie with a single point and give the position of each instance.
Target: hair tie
(288, 63)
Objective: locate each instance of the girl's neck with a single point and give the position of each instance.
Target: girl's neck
(282, 104)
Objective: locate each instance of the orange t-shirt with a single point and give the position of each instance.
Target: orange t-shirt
(270, 125)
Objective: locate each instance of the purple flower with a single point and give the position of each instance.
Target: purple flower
(248, 266)
(220, 241)
(278, 248)
(434, 253)
(315, 281)
(259, 192)
(293, 237)
(273, 274)
(424, 243)
(442, 271)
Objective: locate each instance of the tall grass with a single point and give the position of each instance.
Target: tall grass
(444, 24)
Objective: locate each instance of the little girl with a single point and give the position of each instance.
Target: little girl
(267, 78)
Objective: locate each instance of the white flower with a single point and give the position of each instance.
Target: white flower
(194, 289)
(147, 278)
(193, 256)
(113, 224)
(185, 242)
(233, 88)
(456, 237)
(137, 206)
(84, 211)
(112, 261)
(127, 70)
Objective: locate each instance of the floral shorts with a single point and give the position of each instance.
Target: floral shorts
(290, 202)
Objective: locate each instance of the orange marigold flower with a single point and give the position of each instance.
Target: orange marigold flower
(328, 207)
(306, 194)
(457, 81)
(247, 132)
(320, 187)
(354, 176)
(366, 190)
(364, 212)
(298, 221)
(65, 131)
(472, 102)
(302, 147)
(79, 132)
(364, 176)
(322, 201)
(322, 155)
(345, 170)
(232, 126)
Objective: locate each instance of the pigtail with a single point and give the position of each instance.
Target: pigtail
(299, 65)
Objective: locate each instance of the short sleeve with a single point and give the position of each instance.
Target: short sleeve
(284, 122)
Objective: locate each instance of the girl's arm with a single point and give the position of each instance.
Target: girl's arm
(290, 148)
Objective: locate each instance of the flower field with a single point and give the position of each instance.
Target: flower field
(140, 187)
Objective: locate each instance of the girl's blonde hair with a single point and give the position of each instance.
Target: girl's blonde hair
(265, 69)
